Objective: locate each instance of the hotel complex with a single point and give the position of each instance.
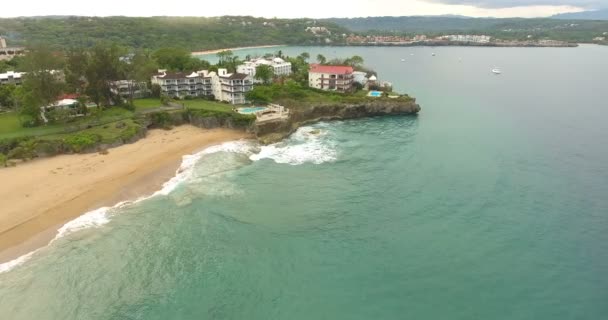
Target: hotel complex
(331, 78)
(279, 66)
(222, 85)
(11, 77)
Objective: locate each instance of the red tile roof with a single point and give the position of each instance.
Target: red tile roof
(68, 96)
(316, 68)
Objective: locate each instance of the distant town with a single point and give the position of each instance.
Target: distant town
(454, 39)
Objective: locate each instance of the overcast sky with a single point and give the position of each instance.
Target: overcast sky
(299, 8)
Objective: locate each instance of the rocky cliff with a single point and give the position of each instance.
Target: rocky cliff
(274, 131)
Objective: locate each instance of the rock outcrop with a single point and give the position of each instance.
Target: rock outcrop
(274, 131)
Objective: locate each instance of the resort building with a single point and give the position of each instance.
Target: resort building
(11, 77)
(231, 87)
(128, 88)
(180, 85)
(468, 38)
(223, 86)
(279, 66)
(331, 78)
(6, 52)
(360, 77)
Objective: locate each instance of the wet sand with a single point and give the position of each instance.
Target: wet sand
(39, 196)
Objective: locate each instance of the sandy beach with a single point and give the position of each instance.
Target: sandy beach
(196, 53)
(39, 196)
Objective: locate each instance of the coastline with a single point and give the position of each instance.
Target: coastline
(44, 194)
(198, 53)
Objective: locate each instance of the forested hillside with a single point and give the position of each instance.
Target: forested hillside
(194, 33)
(514, 28)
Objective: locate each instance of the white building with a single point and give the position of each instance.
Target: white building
(469, 38)
(360, 77)
(11, 77)
(222, 85)
(125, 88)
(180, 85)
(331, 78)
(231, 87)
(279, 66)
(6, 52)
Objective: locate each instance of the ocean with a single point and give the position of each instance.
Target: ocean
(492, 203)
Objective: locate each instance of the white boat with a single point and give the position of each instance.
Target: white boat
(433, 54)
(496, 71)
(411, 54)
(402, 60)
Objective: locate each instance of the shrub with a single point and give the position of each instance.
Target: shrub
(161, 120)
(25, 150)
(3, 160)
(81, 141)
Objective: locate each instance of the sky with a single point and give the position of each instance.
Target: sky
(299, 9)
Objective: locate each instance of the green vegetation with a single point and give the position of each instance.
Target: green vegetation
(507, 29)
(10, 123)
(191, 33)
(3, 160)
(294, 95)
(146, 104)
(178, 59)
(264, 73)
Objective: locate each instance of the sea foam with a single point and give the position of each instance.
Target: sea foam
(306, 145)
(101, 216)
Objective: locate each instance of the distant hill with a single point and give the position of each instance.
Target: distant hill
(585, 15)
(510, 28)
(193, 33)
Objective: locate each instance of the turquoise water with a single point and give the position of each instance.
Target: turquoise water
(250, 110)
(374, 93)
(491, 204)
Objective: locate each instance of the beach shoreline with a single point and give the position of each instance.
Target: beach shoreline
(44, 194)
(199, 53)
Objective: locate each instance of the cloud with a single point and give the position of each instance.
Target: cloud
(493, 4)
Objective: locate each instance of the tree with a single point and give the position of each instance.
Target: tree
(224, 56)
(172, 58)
(41, 85)
(304, 55)
(77, 61)
(321, 59)
(104, 68)
(264, 72)
(7, 95)
(356, 61)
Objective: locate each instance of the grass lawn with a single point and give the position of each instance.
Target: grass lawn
(9, 122)
(146, 103)
(201, 104)
(10, 126)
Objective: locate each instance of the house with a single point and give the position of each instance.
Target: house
(180, 85)
(331, 78)
(11, 77)
(279, 66)
(231, 87)
(125, 88)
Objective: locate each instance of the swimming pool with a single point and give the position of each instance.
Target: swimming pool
(250, 110)
(375, 93)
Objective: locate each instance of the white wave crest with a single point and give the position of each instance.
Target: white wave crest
(101, 216)
(7, 266)
(306, 145)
